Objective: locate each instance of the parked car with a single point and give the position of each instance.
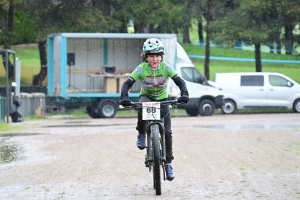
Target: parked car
(258, 90)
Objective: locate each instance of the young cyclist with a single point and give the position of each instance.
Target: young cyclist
(153, 74)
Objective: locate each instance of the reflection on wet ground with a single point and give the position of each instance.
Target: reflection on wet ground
(83, 125)
(249, 126)
(8, 152)
(17, 134)
(218, 126)
(78, 122)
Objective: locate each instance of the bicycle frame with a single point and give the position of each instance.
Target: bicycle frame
(156, 143)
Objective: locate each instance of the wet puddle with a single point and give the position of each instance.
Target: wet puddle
(83, 125)
(250, 126)
(8, 152)
(17, 134)
(219, 127)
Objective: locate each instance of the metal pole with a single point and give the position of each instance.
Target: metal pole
(8, 86)
(15, 75)
(7, 102)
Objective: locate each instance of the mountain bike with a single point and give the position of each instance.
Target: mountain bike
(156, 142)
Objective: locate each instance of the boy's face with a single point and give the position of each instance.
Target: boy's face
(154, 60)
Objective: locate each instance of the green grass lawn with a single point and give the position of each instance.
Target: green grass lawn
(30, 64)
(218, 66)
(235, 53)
(290, 70)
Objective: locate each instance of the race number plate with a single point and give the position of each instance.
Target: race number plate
(151, 111)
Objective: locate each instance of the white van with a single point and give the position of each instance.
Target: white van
(205, 98)
(258, 90)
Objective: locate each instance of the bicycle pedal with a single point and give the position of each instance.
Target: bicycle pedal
(146, 162)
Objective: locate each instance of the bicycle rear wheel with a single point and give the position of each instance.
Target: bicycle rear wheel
(156, 155)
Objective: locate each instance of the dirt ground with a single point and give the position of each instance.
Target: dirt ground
(218, 157)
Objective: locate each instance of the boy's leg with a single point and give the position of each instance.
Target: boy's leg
(141, 143)
(169, 149)
(167, 123)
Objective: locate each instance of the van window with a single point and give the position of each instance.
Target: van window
(278, 81)
(254, 80)
(191, 74)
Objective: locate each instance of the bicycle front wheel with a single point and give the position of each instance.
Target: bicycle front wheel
(156, 155)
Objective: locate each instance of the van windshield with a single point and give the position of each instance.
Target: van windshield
(191, 74)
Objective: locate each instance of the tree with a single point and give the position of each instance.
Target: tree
(251, 22)
(207, 46)
(50, 16)
(161, 16)
(7, 35)
(43, 13)
(62, 16)
(289, 13)
(286, 14)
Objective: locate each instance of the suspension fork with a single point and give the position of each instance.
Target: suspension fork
(149, 157)
(163, 138)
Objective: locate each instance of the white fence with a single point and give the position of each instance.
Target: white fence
(31, 104)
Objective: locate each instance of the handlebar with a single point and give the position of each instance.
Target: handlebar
(138, 105)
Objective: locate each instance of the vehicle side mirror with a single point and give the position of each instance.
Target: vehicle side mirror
(203, 80)
(289, 84)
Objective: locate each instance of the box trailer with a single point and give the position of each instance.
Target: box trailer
(88, 69)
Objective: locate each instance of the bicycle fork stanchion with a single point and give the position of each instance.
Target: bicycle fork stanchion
(163, 140)
(149, 157)
(163, 146)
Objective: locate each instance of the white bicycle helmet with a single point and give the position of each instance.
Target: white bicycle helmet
(153, 45)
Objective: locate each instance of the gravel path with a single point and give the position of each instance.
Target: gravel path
(219, 157)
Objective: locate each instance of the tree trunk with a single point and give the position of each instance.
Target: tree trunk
(40, 77)
(238, 44)
(10, 19)
(288, 38)
(271, 45)
(207, 48)
(200, 31)
(151, 28)
(278, 46)
(257, 57)
(161, 28)
(139, 28)
(278, 43)
(10, 69)
(186, 35)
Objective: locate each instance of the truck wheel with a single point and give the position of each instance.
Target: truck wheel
(229, 107)
(296, 106)
(107, 108)
(192, 111)
(91, 111)
(206, 107)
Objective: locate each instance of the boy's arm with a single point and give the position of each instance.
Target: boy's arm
(181, 84)
(126, 87)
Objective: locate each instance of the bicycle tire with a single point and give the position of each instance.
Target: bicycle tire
(156, 155)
